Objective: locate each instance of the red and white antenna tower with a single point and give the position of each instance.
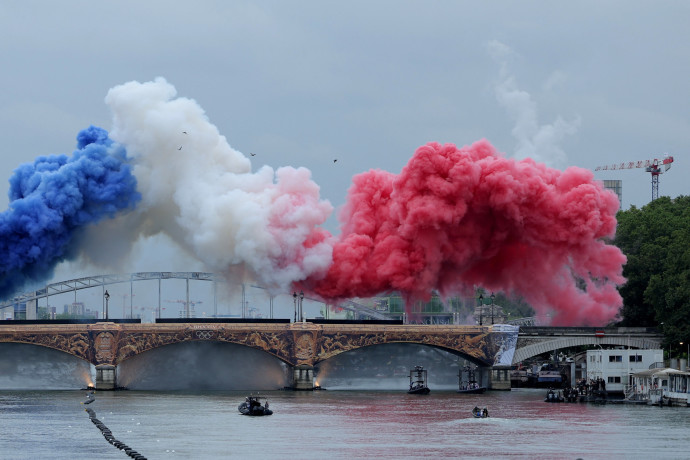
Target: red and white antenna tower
(655, 167)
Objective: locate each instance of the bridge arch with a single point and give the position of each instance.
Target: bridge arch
(478, 344)
(75, 344)
(203, 364)
(273, 339)
(29, 366)
(523, 353)
(130, 350)
(58, 348)
(459, 353)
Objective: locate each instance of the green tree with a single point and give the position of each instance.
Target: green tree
(656, 241)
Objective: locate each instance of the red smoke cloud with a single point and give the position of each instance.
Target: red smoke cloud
(458, 218)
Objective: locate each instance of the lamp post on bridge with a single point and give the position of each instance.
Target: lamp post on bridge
(493, 297)
(294, 300)
(481, 308)
(301, 298)
(107, 297)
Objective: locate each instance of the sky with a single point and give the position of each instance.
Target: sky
(302, 84)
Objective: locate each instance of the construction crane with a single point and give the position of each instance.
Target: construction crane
(187, 304)
(655, 167)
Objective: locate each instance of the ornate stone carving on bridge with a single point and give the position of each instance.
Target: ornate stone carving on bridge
(104, 347)
(474, 343)
(74, 343)
(305, 345)
(275, 342)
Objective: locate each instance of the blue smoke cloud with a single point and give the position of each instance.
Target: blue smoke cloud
(53, 199)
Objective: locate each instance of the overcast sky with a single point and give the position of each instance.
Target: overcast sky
(367, 82)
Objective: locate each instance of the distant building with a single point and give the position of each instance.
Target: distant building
(183, 314)
(7, 313)
(78, 310)
(615, 366)
(616, 186)
(15, 311)
(75, 309)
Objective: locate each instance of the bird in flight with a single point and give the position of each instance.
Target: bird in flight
(334, 160)
(253, 154)
(184, 132)
(180, 148)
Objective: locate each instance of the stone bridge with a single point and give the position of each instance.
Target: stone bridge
(301, 345)
(534, 341)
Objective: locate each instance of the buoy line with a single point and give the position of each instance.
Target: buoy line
(108, 435)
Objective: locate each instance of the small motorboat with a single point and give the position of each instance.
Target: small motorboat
(254, 406)
(570, 395)
(418, 384)
(553, 396)
(480, 413)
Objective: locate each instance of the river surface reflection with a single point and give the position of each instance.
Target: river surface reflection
(335, 424)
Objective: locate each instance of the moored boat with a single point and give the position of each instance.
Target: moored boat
(472, 390)
(254, 406)
(518, 378)
(469, 386)
(550, 374)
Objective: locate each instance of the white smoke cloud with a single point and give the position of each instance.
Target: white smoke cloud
(202, 193)
(539, 142)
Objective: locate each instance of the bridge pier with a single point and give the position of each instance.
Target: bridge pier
(303, 377)
(106, 377)
(499, 378)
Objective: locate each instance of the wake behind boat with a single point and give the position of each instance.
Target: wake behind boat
(418, 384)
(254, 406)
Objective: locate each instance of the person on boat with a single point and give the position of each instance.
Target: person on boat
(485, 412)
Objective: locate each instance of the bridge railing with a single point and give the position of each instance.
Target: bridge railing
(70, 321)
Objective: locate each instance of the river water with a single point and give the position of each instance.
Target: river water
(335, 424)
